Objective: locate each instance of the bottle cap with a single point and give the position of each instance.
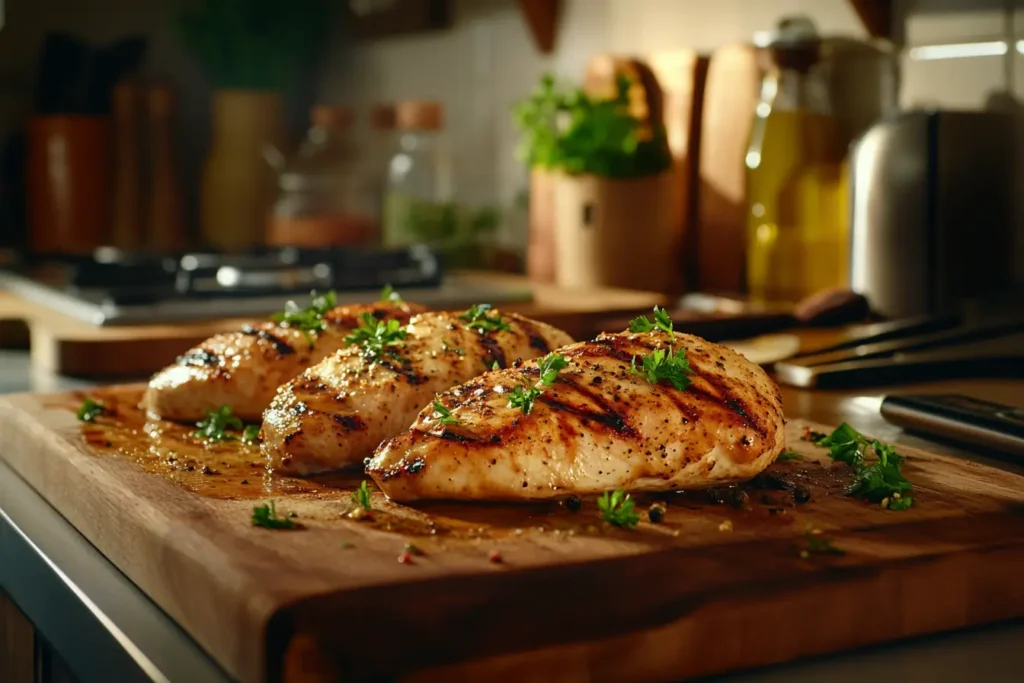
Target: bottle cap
(331, 117)
(419, 115)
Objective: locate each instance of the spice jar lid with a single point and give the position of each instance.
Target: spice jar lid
(419, 115)
(382, 117)
(331, 117)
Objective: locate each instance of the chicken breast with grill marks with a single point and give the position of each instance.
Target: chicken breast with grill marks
(244, 369)
(599, 427)
(334, 414)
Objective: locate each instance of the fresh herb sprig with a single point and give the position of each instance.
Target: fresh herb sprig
(617, 509)
(90, 410)
(310, 319)
(786, 456)
(479, 318)
(818, 544)
(389, 295)
(222, 424)
(266, 516)
(661, 321)
(361, 496)
(444, 416)
(880, 480)
(523, 397)
(377, 337)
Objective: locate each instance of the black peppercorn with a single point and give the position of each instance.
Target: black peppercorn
(801, 494)
(656, 513)
(573, 503)
(739, 498)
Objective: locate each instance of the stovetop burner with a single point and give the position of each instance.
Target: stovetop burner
(115, 287)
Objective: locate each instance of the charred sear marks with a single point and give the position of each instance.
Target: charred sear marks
(402, 369)
(492, 351)
(349, 423)
(282, 347)
(198, 358)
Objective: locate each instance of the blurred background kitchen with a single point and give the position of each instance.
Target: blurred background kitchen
(749, 161)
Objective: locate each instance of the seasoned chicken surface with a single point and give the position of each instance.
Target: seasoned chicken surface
(244, 369)
(334, 414)
(598, 427)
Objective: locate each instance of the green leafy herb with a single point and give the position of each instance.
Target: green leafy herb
(786, 456)
(90, 410)
(549, 366)
(660, 365)
(879, 480)
(444, 415)
(478, 317)
(817, 544)
(662, 322)
(251, 434)
(495, 366)
(266, 516)
(361, 496)
(218, 425)
(377, 337)
(617, 508)
(309, 319)
(574, 132)
(389, 294)
(345, 545)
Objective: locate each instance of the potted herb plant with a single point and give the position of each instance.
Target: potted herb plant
(251, 50)
(615, 208)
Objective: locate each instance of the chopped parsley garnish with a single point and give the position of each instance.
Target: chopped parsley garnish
(251, 434)
(218, 425)
(819, 545)
(661, 322)
(879, 481)
(522, 397)
(361, 496)
(669, 366)
(786, 456)
(444, 415)
(309, 319)
(478, 318)
(388, 294)
(495, 366)
(377, 337)
(266, 516)
(617, 509)
(90, 410)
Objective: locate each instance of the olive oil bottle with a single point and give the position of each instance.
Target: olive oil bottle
(797, 223)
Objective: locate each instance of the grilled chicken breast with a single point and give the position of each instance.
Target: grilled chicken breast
(334, 414)
(599, 427)
(244, 369)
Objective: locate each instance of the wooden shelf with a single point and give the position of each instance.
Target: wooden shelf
(876, 15)
(542, 18)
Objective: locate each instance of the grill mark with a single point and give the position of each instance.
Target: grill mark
(726, 400)
(682, 406)
(282, 347)
(403, 370)
(533, 334)
(350, 423)
(448, 435)
(199, 358)
(601, 348)
(492, 350)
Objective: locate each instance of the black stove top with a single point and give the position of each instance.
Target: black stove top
(113, 287)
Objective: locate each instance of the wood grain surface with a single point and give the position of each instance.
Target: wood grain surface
(715, 587)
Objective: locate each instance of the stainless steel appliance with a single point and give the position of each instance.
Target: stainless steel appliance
(932, 210)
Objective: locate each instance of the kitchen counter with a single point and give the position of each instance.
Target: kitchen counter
(87, 618)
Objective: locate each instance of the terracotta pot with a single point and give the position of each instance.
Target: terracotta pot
(618, 233)
(69, 182)
(540, 245)
(238, 186)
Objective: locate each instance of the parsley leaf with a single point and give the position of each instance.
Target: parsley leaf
(478, 318)
(217, 425)
(388, 294)
(251, 434)
(669, 366)
(266, 516)
(90, 410)
(662, 322)
(377, 337)
(522, 397)
(819, 545)
(309, 319)
(617, 509)
(786, 456)
(444, 415)
(878, 481)
(361, 496)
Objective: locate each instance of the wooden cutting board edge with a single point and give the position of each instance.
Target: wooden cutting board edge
(665, 642)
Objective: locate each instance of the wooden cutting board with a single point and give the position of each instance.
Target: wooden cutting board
(713, 588)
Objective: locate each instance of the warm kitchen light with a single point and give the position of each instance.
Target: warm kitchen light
(958, 50)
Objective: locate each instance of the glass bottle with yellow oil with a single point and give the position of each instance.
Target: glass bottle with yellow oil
(797, 234)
